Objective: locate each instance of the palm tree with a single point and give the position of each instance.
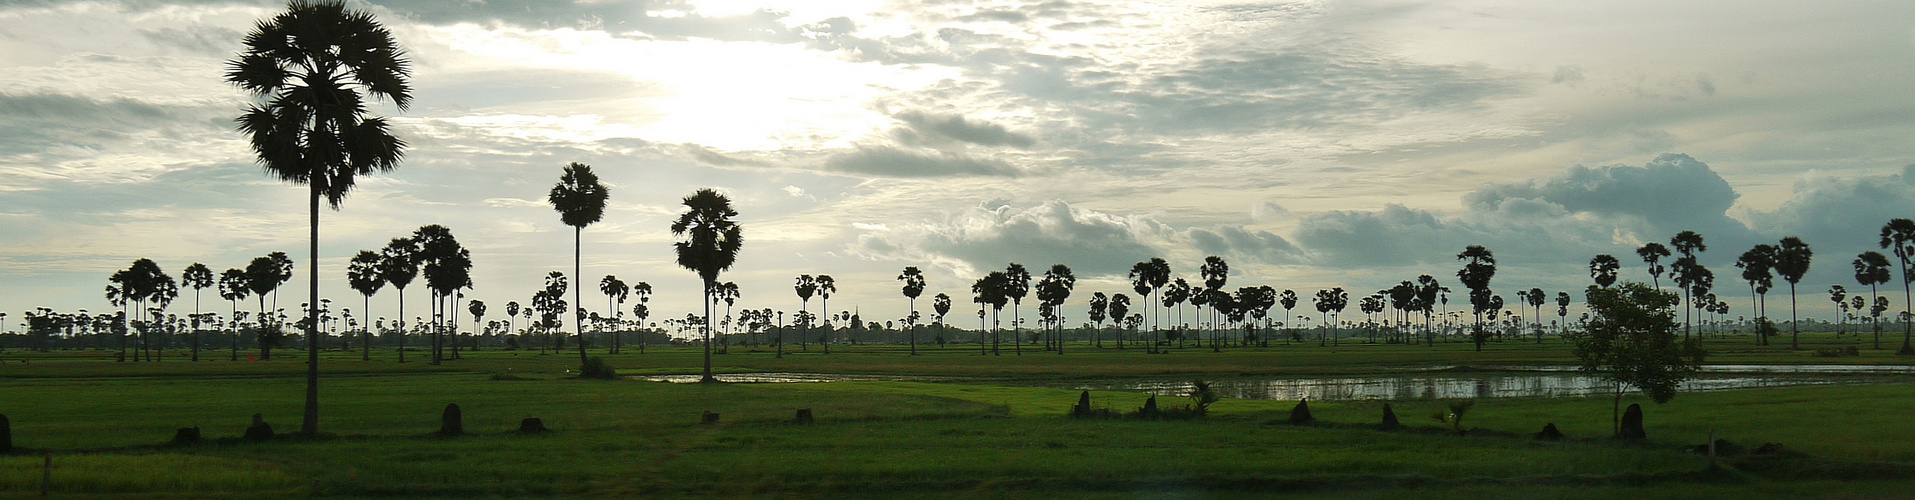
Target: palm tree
(1119, 309)
(580, 201)
(198, 277)
(1839, 296)
(728, 292)
(1216, 274)
(312, 66)
(234, 287)
(447, 267)
(992, 290)
(805, 287)
(913, 286)
(1140, 276)
(398, 265)
(1017, 285)
(643, 291)
(1756, 264)
(1052, 291)
(615, 292)
(364, 277)
(1652, 254)
(1427, 292)
(1288, 299)
(1603, 269)
(1479, 266)
(512, 309)
(1900, 235)
(1175, 295)
(263, 276)
(941, 304)
(1098, 304)
(826, 286)
(1792, 258)
(711, 246)
(1871, 270)
(477, 308)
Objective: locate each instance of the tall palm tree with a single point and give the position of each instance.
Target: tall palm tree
(1099, 303)
(1052, 291)
(992, 290)
(805, 287)
(263, 276)
(580, 201)
(1652, 254)
(1175, 295)
(512, 309)
(1871, 270)
(1017, 285)
(234, 287)
(615, 292)
(913, 279)
(1216, 274)
(1604, 269)
(1119, 312)
(1287, 299)
(642, 291)
(198, 277)
(712, 241)
(312, 67)
(447, 267)
(398, 265)
(1899, 236)
(826, 287)
(1792, 257)
(728, 292)
(941, 304)
(1479, 266)
(364, 277)
(1756, 265)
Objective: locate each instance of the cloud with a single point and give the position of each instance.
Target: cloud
(667, 20)
(1237, 243)
(929, 129)
(990, 235)
(1670, 194)
(893, 162)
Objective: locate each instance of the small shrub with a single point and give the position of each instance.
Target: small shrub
(1838, 352)
(596, 368)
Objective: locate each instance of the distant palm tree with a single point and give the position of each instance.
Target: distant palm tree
(826, 287)
(1756, 265)
(615, 292)
(941, 304)
(992, 290)
(1479, 266)
(580, 201)
(1792, 258)
(477, 308)
(1098, 305)
(1839, 296)
(1052, 291)
(805, 287)
(643, 292)
(728, 292)
(1288, 299)
(398, 265)
(313, 65)
(1427, 292)
(1604, 269)
(913, 279)
(1119, 310)
(712, 241)
(512, 309)
(1871, 270)
(1017, 285)
(234, 287)
(1140, 277)
(1899, 236)
(1652, 254)
(263, 276)
(198, 277)
(364, 277)
(1175, 295)
(447, 267)
(1536, 298)
(1216, 274)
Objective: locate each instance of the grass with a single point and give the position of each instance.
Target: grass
(105, 423)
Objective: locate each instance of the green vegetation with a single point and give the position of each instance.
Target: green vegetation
(907, 439)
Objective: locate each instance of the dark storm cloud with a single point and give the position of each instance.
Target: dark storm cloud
(1236, 243)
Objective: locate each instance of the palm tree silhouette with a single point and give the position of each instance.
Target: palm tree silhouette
(615, 292)
(1099, 303)
(1899, 236)
(313, 66)
(477, 308)
(447, 267)
(1017, 285)
(1216, 274)
(1756, 264)
(398, 265)
(1686, 269)
(992, 290)
(642, 291)
(1140, 277)
(362, 273)
(512, 309)
(1479, 266)
(1178, 292)
(198, 277)
(580, 201)
(1871, 270)
(806, 287)
(711, 246)
(728, 292)
(826, 286)
(1427, 292)
(1052, 291)
(1289, 301)
(234, 287)
(550, 303)
(263, 276)
(1792, 258)
(913, 286)
(1652, 254)
(1603, 269)
(1119, 309)
(941, 304)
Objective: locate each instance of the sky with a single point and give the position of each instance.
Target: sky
(1311, 144)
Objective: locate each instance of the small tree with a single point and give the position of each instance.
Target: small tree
(1631, 341)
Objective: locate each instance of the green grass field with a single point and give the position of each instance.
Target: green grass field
(106, 423)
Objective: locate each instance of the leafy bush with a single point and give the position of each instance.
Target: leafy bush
(595, 367)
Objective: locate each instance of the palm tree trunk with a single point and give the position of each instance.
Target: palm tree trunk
(1906, 348)
(310, 424)
(707, 298)
(235, 318)
(1795, 336)
(914, 329)
(1017, 332)
(402, 325)
(578, 234)
(365, 330)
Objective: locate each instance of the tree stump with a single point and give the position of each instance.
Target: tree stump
(531, 425)
(1150, 408)
(803, 417)
(1389, 418)
(452, 422)
(1082, 409)
(260, 430)
(1301, 414)
(1632, 424)
(708, 418)
(1549, 433)
(186, 435)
